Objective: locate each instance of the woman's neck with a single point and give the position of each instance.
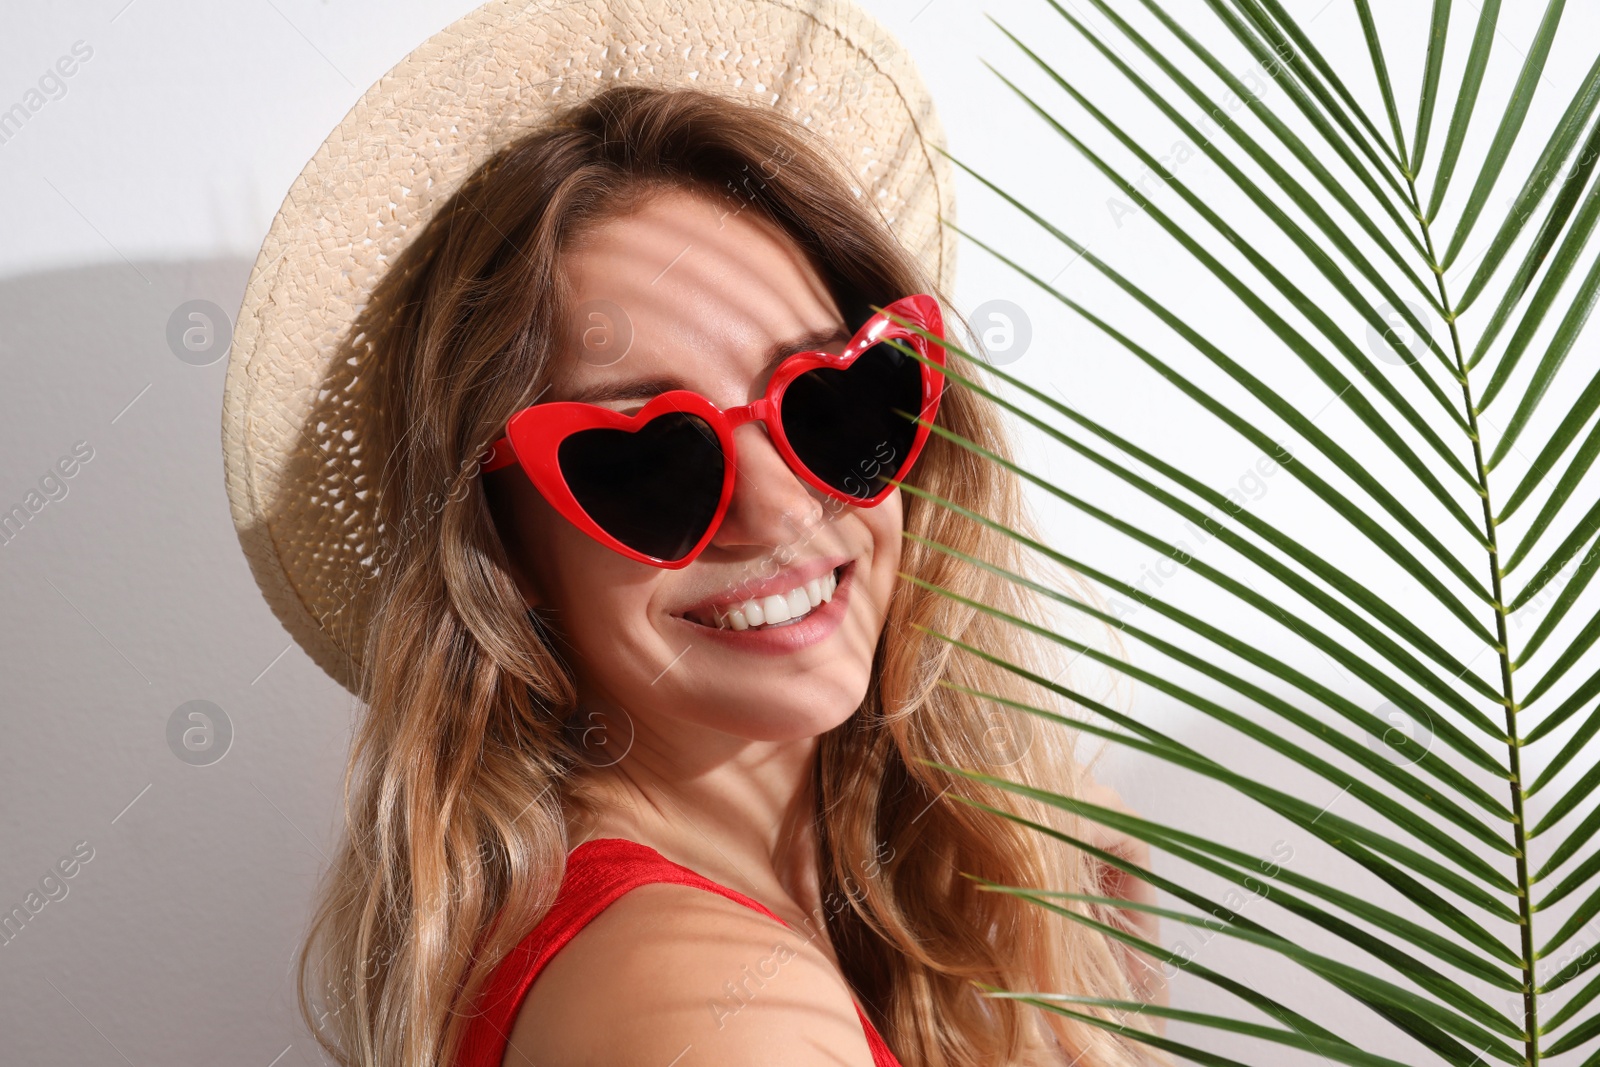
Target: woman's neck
(746, 820)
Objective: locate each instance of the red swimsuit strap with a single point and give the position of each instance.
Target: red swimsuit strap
(598, 872)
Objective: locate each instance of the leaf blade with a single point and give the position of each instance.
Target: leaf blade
(1466, 99)
(1438, 34)
(1510, 126)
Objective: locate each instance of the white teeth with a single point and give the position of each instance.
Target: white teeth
(778, 607)
(775, 609)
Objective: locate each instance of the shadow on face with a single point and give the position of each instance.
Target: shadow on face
(686, 293)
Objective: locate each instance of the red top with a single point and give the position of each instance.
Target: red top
(598, 872)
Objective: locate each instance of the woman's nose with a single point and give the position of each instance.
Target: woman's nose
(771, 505)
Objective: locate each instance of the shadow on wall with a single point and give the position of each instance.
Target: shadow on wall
(81, 347)
(130, 603)
(111, 486)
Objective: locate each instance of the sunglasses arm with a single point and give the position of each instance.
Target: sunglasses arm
(498, 455)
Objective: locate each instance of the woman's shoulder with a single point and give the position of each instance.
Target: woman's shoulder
(667, 968)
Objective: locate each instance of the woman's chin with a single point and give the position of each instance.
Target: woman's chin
(778, 724)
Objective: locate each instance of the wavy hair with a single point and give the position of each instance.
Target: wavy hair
(465, 757)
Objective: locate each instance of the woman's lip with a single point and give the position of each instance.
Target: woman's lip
(817, 626)
(756, 589)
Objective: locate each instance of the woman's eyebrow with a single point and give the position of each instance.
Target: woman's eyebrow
(645, 388)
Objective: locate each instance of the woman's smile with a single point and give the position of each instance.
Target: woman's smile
(747, 624)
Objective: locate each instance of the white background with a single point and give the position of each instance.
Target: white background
(152, 180)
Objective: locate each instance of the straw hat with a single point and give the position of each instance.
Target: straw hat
(291, 436)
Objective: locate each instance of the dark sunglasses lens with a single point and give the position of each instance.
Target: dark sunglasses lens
(843, 424)
(656, 489)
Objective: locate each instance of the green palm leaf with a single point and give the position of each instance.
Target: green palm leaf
(1461, 881)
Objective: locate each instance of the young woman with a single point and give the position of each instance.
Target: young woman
(648, 698)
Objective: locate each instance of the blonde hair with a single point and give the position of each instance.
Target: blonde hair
(464, 759)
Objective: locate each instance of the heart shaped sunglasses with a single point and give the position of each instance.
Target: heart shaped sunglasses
(655, 485)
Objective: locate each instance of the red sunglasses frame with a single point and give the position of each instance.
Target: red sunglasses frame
(534, 434)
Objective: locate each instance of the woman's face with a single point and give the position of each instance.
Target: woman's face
(708, 293)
